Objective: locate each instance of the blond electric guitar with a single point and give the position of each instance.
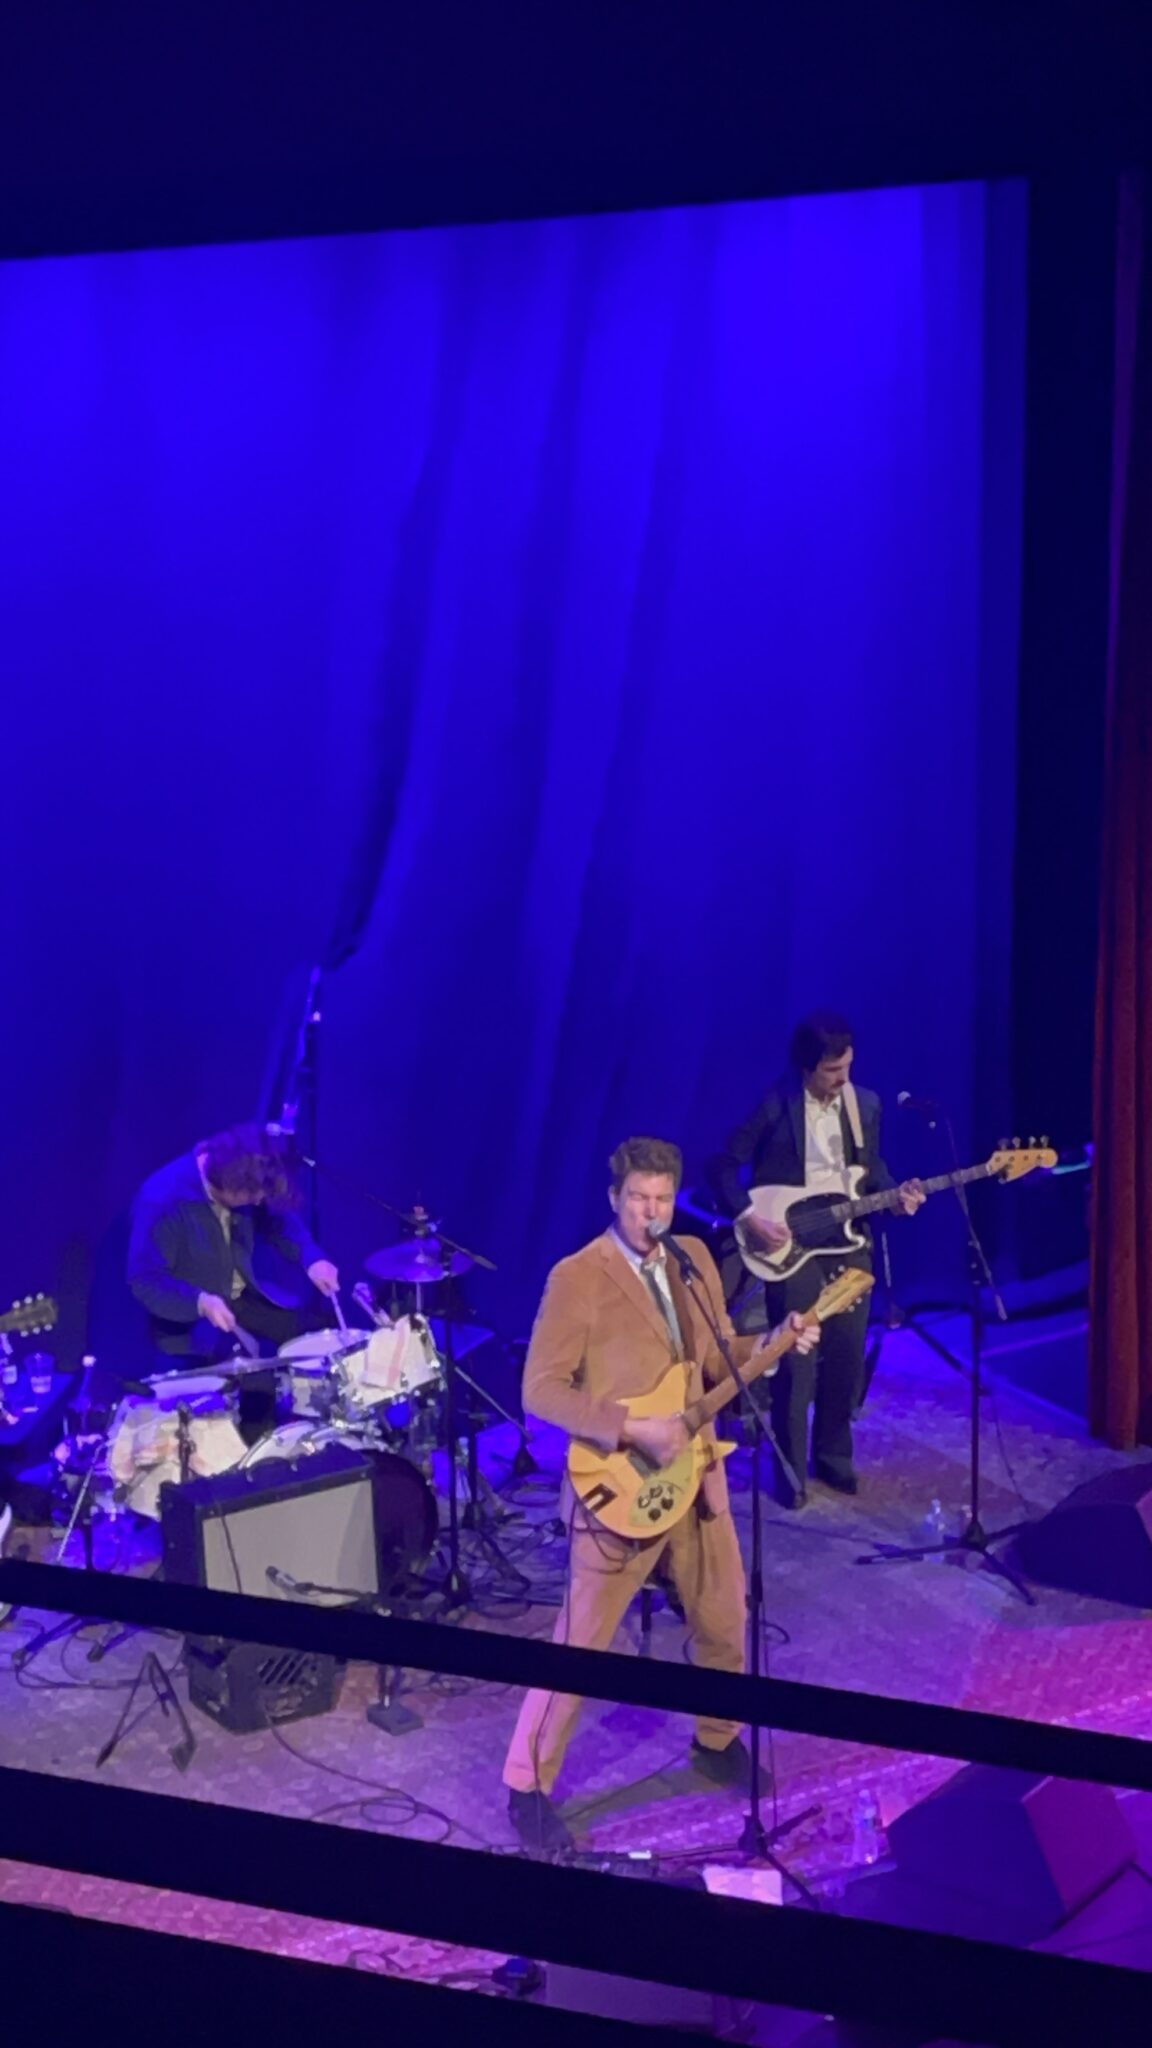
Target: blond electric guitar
(633, 1497)
(820, 1226)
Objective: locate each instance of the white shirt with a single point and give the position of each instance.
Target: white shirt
(825, 1168)
(655, 1263)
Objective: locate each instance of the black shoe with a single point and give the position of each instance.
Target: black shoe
(731, 1767)
(538, 1824)
(791, 1496)
(840, 1482)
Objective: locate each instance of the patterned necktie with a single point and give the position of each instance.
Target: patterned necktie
(667, 1308)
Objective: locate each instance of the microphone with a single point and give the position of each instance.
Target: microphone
(661, 1233)
(924, 1104)
(285, 1581)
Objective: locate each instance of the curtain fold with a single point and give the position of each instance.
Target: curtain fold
(573, 635)
(1120, 1401)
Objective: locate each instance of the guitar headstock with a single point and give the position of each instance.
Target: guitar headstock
(1010, 1161)
(35, 1312)
(842, 1293)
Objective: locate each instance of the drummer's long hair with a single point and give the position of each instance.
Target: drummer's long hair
(251, 1161)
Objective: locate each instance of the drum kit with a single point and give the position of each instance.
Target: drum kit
(385, 1390)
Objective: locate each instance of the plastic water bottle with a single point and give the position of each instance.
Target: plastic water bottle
(868, 1839)
(9, 1364)
(935, 1525)
(40, 1369)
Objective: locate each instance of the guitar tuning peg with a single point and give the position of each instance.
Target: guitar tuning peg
(1015, 1144)
(1032, 1144)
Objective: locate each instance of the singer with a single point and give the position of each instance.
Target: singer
(613, 1316)
(804, 1133)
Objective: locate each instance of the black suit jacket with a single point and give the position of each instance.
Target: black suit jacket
(178, 1251)
(767, 1150)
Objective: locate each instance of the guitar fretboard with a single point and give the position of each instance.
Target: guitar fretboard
(866, 1205)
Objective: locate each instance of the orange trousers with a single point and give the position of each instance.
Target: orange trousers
(605, 1572)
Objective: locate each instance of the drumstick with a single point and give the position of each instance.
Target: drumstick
(341, 1321)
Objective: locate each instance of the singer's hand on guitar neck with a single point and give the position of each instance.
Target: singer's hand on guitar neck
(807, 1335)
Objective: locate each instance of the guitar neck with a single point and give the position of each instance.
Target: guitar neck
(867, 1205)
(710, 1404)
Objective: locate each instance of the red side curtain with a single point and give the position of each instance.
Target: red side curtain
(1120, 1400)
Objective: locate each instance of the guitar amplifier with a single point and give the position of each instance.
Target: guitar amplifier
(314, 1521)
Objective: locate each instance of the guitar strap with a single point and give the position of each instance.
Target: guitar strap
(852, 1112)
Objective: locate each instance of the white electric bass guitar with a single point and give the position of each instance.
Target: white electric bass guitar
(820, 1226)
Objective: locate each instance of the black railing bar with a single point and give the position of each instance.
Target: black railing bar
(877, 1720)
(586, 1919)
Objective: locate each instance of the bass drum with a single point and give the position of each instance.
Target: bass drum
(407, 1518)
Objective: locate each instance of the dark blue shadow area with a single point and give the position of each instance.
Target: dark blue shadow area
(594, 638)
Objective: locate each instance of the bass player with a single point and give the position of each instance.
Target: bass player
(613, 1317)
(806, 1133)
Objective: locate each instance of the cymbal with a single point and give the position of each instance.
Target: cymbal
(420, 1262)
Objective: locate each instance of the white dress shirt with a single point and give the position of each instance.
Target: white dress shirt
(653, 1270)
(825, 1167)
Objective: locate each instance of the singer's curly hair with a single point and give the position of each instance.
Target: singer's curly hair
(253, 1164)
(645, 1155)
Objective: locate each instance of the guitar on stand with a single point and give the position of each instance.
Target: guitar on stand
(36, 1313)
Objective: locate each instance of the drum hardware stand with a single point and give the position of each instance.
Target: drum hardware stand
(71, 1624)
(456, 1589)
(523, 1464)
(104, 1644)
(163, 1693)
(973, 1538)
(755, 1840)
(388, 1712)
(478, 1482)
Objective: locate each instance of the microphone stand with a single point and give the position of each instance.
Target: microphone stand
(755, 1840)
(973, 1538)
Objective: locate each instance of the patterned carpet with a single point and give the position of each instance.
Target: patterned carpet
(939, 1631)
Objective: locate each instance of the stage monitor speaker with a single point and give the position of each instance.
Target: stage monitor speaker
(1032, 1849)
(1098, 1540)
(313, 1521)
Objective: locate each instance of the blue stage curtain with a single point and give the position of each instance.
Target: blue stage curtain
(592, 639)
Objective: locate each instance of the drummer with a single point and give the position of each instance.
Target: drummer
(218, 1246)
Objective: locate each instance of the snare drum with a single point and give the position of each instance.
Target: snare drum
(397, 1362)
(314, 1377)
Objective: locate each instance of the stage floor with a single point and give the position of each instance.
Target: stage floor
(935, 1631)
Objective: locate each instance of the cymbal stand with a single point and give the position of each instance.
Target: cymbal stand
(472, 1516)
(476, 1478)
(457, 1590)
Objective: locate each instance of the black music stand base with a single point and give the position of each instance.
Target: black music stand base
(387, 1712)
(974, 1541)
